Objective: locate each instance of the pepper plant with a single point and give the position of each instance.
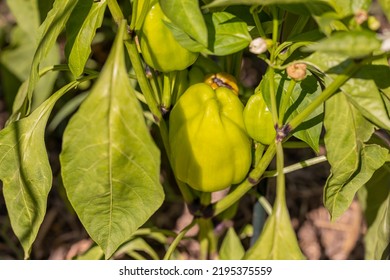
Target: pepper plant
(174, 67)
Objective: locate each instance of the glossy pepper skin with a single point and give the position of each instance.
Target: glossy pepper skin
(258, 120)
(210, 149)
(159, 48)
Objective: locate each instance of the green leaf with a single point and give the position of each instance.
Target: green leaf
(385, 4)
(187, 15)
(86, 17)
(227, 34)
(352, 162)
(231, 33)
(375, 201)
(360, 91)
(303, 94)
(342, 141)
(224, 3)
(339, 197)
(25, 170)
(277, 240)
(231, 247)
(354, 44)
(136, 245)
(110, 164)
(350, 7)
(48, 33)
(27, 16)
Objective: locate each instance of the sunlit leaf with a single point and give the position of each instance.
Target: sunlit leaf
(110, 164)
(277, 241)
(25, 171)
(231, 247)
(353, 44)
(187, 15)
(227, 34)
(303, 94)
(360, 90)
(86, 17)
(351, 163)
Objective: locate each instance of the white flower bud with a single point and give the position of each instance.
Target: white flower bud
(258, 46)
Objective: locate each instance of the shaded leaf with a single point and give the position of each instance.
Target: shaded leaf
(353, 44)
(375, 201)
(25, 171)
(48, 33)
(27, 16)
(110, 164)
(187, 15)
(86, 17)
(231, 247)
(136, 245)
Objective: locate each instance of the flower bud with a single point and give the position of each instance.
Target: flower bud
(258, 46)
(297, 71)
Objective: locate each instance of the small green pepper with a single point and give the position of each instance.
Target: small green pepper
(159, 47)
(210, 149)
(258, 120)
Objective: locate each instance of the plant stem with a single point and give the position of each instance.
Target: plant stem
(280, 179)
(328, 92)
(285, 99)
(255, 14)
(177, 240)
(272, 91)
(265, 204)
(296, 166)
(115, 10)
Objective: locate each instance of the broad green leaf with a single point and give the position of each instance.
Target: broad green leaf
(27, 16)
(349, 7)
(110, 164)
(227, 34)
(48, 33)
(354, 44)
(231, 33)
(187, 15)
(342, 141)
(277, 240)
(385, 4)
(86, 17)
(231, 247)
(360, 91)
(375, 201)
(303, 94)
(339, 197)
(25, 171)
(352, 162)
